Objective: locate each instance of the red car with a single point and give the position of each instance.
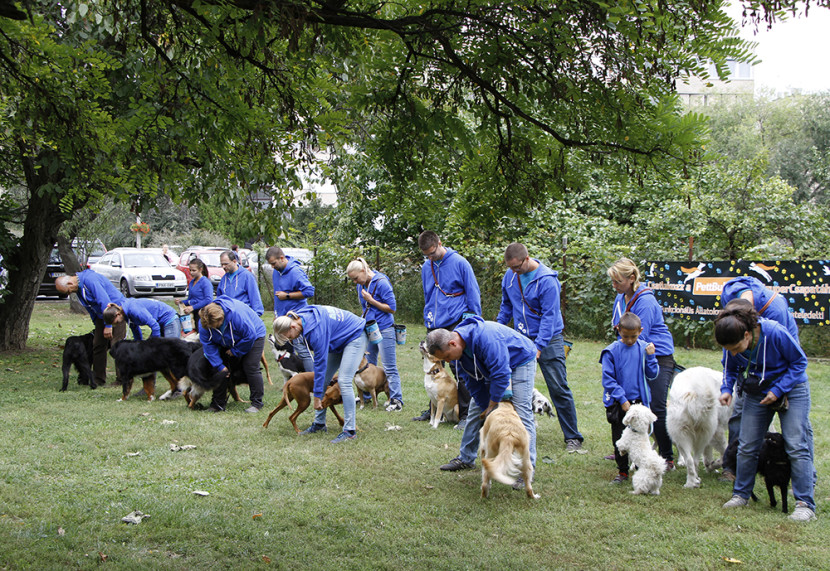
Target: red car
(210, 256)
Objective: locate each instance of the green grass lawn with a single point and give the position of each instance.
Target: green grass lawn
(68, 474)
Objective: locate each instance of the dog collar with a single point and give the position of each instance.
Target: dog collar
(360, 370)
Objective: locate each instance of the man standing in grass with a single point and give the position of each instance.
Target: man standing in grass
(530, 297)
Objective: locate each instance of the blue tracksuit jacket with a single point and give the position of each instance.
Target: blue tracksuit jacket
(241, 328)
(542, 295)
(241, 285)
(625, 371)
(150, 312)
(651, 318)
(291, 278)
(778, 310)
(199, 293)
(460, 294)
(381, 289)
(95, 292)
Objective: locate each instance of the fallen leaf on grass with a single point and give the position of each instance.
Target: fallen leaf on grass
(548, 460)
(393, 427)
(256, 516)
(730, 560)
(201, 493)
(134, 517)
(176, 447)
(61, 532)
(266, 559)
(103, 557)
(168, 422)
(133, 454)
(144, 414)
(430, 487)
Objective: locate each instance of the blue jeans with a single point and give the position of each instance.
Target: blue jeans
(302, 351)
(552, 363)
(387, 348)
(172, 328)
(735, 417)
(797, 433)
(347, 362)
(522, 384)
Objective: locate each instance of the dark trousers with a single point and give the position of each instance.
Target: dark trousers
(100, 346)
(250, 363)
(659, 393)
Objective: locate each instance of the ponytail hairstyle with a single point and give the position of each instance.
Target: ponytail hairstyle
(357, 265)
(211, 316)
(281, 326)
(624, 269)
(735, 320)
(196, 261)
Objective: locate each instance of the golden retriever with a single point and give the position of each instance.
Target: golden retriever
(504, 448)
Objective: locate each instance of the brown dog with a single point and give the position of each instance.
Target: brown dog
(299, 388)
(370, 379)
(441, 389)
(504, 448)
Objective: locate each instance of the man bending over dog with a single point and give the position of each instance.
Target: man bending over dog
(95, 292)
(495, 363)
(158, 316)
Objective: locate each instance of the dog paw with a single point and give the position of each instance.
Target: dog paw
(166, 395)
(692, 484)
(536, 496)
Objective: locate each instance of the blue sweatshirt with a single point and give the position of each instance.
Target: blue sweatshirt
(542, 295)
(327, 330)
(492, 352)
(291, 278)
(625, 371)
(199, 293)
(454, 275)
(95, 292)
(150, 312)
(381, 289)
(778, 310)
(241, 285)
(651, 319)
(776, 357)
(241, 328)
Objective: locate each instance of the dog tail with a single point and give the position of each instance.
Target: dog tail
(506, 467)
(285, 396)
(698, 405)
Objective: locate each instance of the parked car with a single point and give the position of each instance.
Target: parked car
(209, 255)
(54, 270)
(88, 251)
(137, 271)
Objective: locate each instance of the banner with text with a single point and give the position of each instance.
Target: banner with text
(692, 289)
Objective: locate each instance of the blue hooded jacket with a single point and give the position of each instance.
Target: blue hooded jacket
(778, 310)
(491, 353)
(381, 289)
(95, 292)
(651, 319)
(454, 275)
(241, 328)
(625, 371)
(327, 329)
(199, 293)
(150, 312)
(542, 297)
(777, 358)
(291, 278)
(241, 285)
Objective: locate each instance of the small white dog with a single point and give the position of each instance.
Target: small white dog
(541, 405)
(635, 441)
(696, 421)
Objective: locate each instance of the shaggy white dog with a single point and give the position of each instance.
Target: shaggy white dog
(696, 421)
(635, 441)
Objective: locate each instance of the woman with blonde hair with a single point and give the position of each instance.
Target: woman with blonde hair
(338, 341)
(635, 297)
(374, 291)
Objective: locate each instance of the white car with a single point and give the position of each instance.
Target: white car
(140, 271)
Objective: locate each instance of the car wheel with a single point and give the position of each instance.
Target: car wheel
(125, 288)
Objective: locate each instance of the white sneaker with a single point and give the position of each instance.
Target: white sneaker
(802, 512)
(736, 502)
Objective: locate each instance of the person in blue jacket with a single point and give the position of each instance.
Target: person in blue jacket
(338, 341)
(95, 292)
(627, 366)
(769, 305)
(199, 291)
(770, 370)
(495, 363)
(530, 297)
(292, 288)
(158, 316)
(451, 293)
(239, 283)
(374, 291)
(638, 299)
(230, 326)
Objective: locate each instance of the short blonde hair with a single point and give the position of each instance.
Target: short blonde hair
(625, 268)
(281, 326)
(211, 316)
(357, 265)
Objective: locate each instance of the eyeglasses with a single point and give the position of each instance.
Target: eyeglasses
(516, 267)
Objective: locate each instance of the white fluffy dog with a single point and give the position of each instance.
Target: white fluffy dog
(696, 421)
(635, 441)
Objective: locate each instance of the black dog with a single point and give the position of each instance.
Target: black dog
(77, 350)
(169, 356)
(774, 466)
(290, 364)
(203, 378)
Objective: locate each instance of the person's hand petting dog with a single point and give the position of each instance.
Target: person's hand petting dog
(490, 408)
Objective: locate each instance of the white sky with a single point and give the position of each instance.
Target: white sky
(793, 52)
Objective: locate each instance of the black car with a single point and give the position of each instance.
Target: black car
(54, 270)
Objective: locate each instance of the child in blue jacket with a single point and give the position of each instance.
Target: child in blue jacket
(627, 366)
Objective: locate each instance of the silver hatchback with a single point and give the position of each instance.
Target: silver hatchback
(138, 271)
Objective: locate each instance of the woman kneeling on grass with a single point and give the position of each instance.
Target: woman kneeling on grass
(338, 341)
(770, 369)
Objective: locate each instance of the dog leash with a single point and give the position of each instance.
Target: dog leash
(435, 279)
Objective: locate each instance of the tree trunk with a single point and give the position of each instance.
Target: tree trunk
(72, 266)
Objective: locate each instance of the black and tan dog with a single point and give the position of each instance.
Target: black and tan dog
(201, 377)
(169, 356)
(77, 350)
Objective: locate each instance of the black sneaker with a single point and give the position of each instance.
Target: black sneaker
(423, 416)
(457, 464)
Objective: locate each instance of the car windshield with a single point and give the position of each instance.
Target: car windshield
(145, 261)
(209, 258)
